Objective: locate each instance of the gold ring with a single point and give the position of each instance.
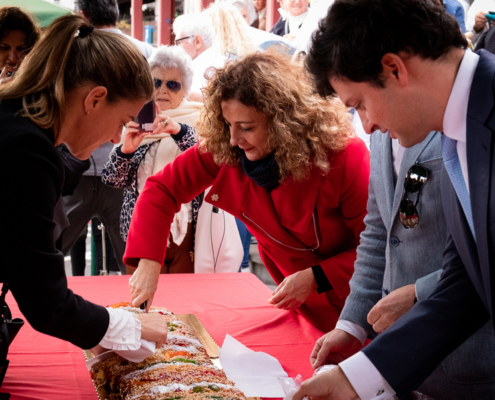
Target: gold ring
(165, 123)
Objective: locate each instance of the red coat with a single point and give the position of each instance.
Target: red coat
(324, 213)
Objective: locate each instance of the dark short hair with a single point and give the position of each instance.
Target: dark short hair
(99, 12)
(14, 19)
(356, 34)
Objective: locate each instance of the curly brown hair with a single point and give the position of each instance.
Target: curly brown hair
(302, 126)
(14, 19)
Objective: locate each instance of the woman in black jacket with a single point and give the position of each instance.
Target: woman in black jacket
(79, 86)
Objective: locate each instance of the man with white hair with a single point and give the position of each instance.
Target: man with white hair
(194, 33)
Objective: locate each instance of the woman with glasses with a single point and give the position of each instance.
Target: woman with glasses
(141, 154)
(286, 163)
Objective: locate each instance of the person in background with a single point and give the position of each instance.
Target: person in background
(194, 33)
(141, 154)
(283, 161)
(104, 15)
(279, 27)
(260, 6)
(91, 198)
(296, 13)
(231, 32)
(455, 8)
(18, 34)
(476, 20)
(64, 92)
(247, 10)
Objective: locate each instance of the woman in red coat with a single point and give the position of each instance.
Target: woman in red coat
(283, 161)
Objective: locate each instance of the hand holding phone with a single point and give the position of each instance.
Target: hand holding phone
(146, 117)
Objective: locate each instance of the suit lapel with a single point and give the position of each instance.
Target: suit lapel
(479, 139)
(386, 168)
(411, 155)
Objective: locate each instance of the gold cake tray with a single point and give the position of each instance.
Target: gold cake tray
(204, 337)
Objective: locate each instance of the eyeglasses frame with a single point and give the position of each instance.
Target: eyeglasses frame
(182, 38)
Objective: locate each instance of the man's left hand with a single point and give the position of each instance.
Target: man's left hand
(392, 307)
(328, 385)
(294, 290)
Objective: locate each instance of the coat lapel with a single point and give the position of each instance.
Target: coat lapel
(386, 171)
(479, 139)
(479, 136)
(478, 155)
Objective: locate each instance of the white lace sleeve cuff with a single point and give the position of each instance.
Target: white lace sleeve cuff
(124, 331)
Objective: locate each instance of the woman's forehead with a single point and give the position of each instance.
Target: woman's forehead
(167, 74)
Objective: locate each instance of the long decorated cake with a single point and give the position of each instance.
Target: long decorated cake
(180, 369)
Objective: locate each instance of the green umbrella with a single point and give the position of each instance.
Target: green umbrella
(41, 10)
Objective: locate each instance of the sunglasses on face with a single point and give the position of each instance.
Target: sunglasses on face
(173, 86)
(415, 180)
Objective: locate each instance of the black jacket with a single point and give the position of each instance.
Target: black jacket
(32, 174)
(279, 28)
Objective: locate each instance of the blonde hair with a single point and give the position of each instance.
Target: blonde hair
(302, 127)
(67, 57)
(231, 30)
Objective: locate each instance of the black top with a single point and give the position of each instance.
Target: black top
(31, 174)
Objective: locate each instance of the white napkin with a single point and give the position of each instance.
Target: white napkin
(257, 374)
(147, 349)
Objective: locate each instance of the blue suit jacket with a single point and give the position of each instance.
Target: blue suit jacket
(462, 302)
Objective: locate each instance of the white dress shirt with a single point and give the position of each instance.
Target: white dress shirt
(362, 374)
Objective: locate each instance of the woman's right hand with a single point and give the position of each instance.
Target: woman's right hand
(153, 328)
(132, 138)
(144, 282)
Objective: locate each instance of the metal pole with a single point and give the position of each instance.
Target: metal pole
(104, 271)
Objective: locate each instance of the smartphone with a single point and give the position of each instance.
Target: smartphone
(146, 117)
(490, 17)
(491, 12)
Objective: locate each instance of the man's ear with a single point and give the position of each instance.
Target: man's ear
(394, 69)
(198, 42)
(83, 14)
(95, 99)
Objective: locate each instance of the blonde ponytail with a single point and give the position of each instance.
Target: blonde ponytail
(65, 59)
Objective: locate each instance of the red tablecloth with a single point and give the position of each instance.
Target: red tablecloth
(42, 367)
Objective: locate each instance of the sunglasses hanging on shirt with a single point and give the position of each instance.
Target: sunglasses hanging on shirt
(173, 86)
(415, 180)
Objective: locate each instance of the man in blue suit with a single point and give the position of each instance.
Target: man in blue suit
(404, 66)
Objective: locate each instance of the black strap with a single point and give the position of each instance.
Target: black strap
(322, 283)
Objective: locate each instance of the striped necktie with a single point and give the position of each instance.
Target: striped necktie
(453, 167)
